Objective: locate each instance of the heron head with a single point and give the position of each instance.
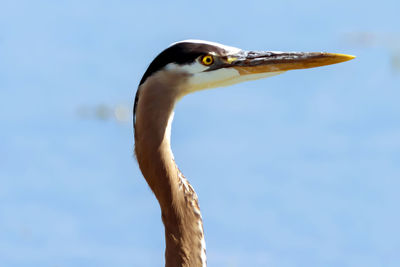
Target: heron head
(203, 65)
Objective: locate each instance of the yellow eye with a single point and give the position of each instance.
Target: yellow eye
(207, 60)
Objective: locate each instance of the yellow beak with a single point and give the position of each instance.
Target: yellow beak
(262, 62)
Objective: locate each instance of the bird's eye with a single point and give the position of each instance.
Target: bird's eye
(207, 60)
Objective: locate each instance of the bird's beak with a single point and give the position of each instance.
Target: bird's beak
(250, 62)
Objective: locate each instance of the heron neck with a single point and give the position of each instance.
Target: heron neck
(181, 216)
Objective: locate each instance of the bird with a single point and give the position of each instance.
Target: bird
(182, 68)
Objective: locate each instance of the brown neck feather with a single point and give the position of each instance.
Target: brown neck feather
(179, 205)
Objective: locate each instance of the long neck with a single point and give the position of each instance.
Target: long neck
(181, 216)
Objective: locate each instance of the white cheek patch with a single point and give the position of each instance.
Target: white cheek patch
(223, 77)
(212, 79)
(193, 68)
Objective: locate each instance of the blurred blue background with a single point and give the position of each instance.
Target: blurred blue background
(301, 169)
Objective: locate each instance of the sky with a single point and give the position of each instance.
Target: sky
(301, 169)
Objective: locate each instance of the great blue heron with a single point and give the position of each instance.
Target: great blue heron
(183, 68)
